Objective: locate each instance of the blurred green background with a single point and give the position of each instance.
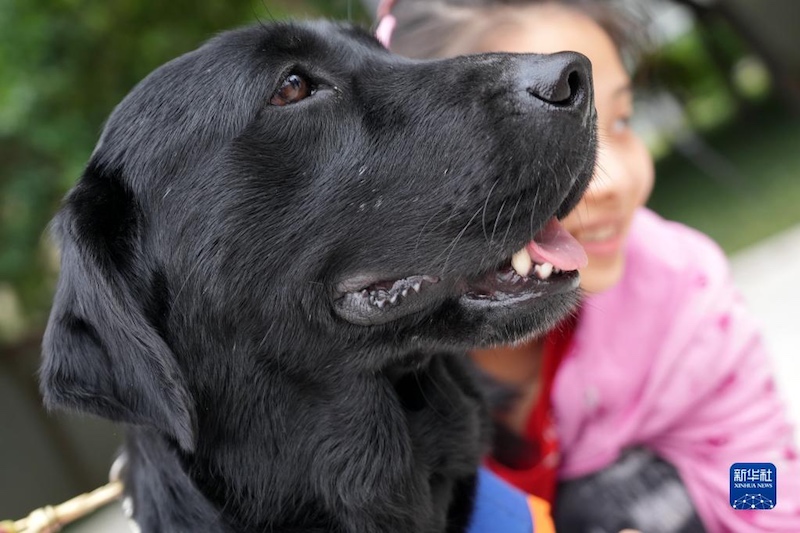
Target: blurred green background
(715, 109)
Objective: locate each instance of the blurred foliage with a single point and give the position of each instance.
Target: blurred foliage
(759, 200)
(64, 64)
(700, 68)
(736, 158)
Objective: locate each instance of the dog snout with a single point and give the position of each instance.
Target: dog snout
(562, 80)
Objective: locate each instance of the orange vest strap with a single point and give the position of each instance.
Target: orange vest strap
(542, 519)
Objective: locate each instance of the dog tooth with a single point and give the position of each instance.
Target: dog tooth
(417, 286)
(545, 270)
(380, 303)
(522, 262)
(506, 275)
(393, 299)
(405, 292)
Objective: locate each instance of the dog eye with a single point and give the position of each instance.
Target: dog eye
(293, 89)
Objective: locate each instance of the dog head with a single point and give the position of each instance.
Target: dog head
(294, 186)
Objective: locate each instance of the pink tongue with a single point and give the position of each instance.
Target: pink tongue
(554, 245)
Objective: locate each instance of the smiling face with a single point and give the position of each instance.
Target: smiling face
(624, 175)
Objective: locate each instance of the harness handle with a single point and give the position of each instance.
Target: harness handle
(50, 519)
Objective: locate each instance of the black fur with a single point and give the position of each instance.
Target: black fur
(203, 251)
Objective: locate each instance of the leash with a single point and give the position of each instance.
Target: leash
(52, 519)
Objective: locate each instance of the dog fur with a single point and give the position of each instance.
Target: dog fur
(203, 253)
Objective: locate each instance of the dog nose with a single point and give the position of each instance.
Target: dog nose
(560, 80)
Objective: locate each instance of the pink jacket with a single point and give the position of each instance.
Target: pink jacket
(670, 359)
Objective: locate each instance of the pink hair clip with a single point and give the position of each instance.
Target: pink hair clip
(386, 22)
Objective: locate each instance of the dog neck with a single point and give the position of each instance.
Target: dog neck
(392, 451)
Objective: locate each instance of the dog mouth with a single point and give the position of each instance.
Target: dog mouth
(546, 266)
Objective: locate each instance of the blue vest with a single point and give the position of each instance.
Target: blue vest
(501, 508)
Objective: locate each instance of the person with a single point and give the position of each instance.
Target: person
(632, 412)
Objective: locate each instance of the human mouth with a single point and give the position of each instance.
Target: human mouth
(601, 239)
(600, 234)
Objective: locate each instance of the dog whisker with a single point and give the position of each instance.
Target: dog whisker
(453, 244)
(269, 13)
(533, 208)
(485, 205)
(510, 222)
(497, 220)
(422, 231)
(570, 173)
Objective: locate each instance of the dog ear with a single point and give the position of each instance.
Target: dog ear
(100, 353)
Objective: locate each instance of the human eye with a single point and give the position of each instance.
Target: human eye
(621, 124)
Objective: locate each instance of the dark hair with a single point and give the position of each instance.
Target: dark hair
(440, 28)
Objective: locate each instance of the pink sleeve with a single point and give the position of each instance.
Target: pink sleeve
(670, 359)
(731, 413)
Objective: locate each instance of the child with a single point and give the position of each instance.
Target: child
(641, 403)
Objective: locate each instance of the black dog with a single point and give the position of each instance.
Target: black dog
(277, 254)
